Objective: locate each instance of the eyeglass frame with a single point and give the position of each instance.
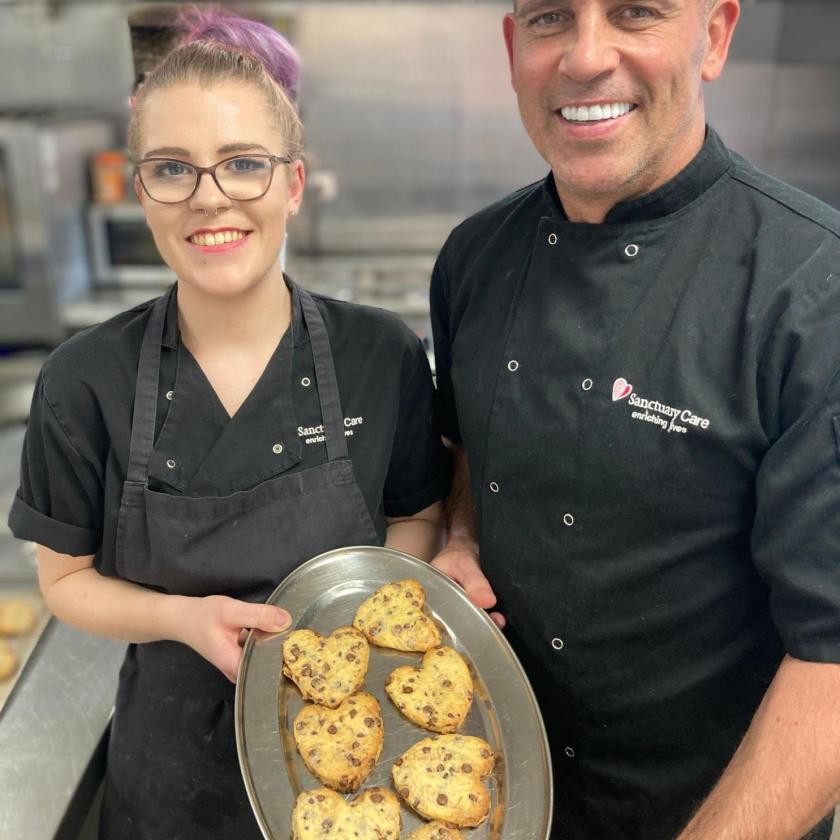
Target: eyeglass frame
(211, 170)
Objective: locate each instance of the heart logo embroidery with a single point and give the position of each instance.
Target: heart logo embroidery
(621, 389)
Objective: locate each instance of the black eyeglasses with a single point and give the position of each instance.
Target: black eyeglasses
(241, 178)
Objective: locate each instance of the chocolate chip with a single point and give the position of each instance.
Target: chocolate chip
(332, 729)
(407, 689)
(473, 798)
(353, 713)
(369, 722)
(351, 657)
(466, 768)
(442, 799)
(447, 683)
(398, 762)
(376, 797)
(404, 792)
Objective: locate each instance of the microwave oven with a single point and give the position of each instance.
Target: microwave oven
(122, 249)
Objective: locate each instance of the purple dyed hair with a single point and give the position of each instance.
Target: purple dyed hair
(269, 47)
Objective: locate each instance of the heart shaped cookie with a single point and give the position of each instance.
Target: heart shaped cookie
(324, 815)
(340, 746)
(441, 778)
(393, 617)
(326, 670)
(16, 618)
(438, 694)
(436, 831)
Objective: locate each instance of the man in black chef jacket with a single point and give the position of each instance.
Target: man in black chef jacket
(639, 360)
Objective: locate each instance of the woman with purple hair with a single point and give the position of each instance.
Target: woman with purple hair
(184, 457)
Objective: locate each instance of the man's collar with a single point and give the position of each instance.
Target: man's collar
(171, 332)
(710, 163)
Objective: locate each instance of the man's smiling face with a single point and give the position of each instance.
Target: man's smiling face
(610, 92)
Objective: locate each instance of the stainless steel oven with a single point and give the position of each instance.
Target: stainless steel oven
(43, 195)
(123, 252)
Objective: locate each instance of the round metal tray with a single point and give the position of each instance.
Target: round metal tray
(324, 593)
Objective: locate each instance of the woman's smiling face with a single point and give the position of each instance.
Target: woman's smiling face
(201, 126)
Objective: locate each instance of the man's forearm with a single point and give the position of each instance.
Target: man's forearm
(785, 775)
(460, 522)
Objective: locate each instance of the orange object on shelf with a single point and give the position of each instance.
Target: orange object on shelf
(108, 173)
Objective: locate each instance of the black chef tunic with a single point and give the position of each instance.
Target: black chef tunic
(651, 412)
(76, 448)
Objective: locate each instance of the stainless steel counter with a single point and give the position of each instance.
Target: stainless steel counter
(53, 722)
(52, 745)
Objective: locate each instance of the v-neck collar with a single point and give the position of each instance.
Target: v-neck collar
(201, 450)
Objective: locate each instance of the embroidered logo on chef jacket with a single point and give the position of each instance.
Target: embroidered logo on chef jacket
(668, 418)
(315, 434)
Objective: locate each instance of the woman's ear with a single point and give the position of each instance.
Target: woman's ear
(296, 175)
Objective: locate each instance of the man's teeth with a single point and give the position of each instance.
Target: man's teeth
(217, 238)
(592, 113)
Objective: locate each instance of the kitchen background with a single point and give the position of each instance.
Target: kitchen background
(411, 126)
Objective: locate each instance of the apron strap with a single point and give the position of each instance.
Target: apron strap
(146, 393)
(148, 371)
(325, 378)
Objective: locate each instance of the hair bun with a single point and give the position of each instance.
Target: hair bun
(268, 46)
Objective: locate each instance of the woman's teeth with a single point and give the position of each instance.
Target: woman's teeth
(593, 113)
(217, 238)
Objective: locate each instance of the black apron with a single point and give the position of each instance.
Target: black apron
(173, 772)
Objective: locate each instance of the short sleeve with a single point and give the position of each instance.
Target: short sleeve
(59, 501)
(419, 470)
(796, 534)
(439, 301)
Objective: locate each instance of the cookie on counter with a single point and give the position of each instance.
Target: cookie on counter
(441, 778)
(324, 815)
(436, 831)
(16, 618)
(437, 695)
(393, 617)
(9, 661)
(328, 669)
(340, 746)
